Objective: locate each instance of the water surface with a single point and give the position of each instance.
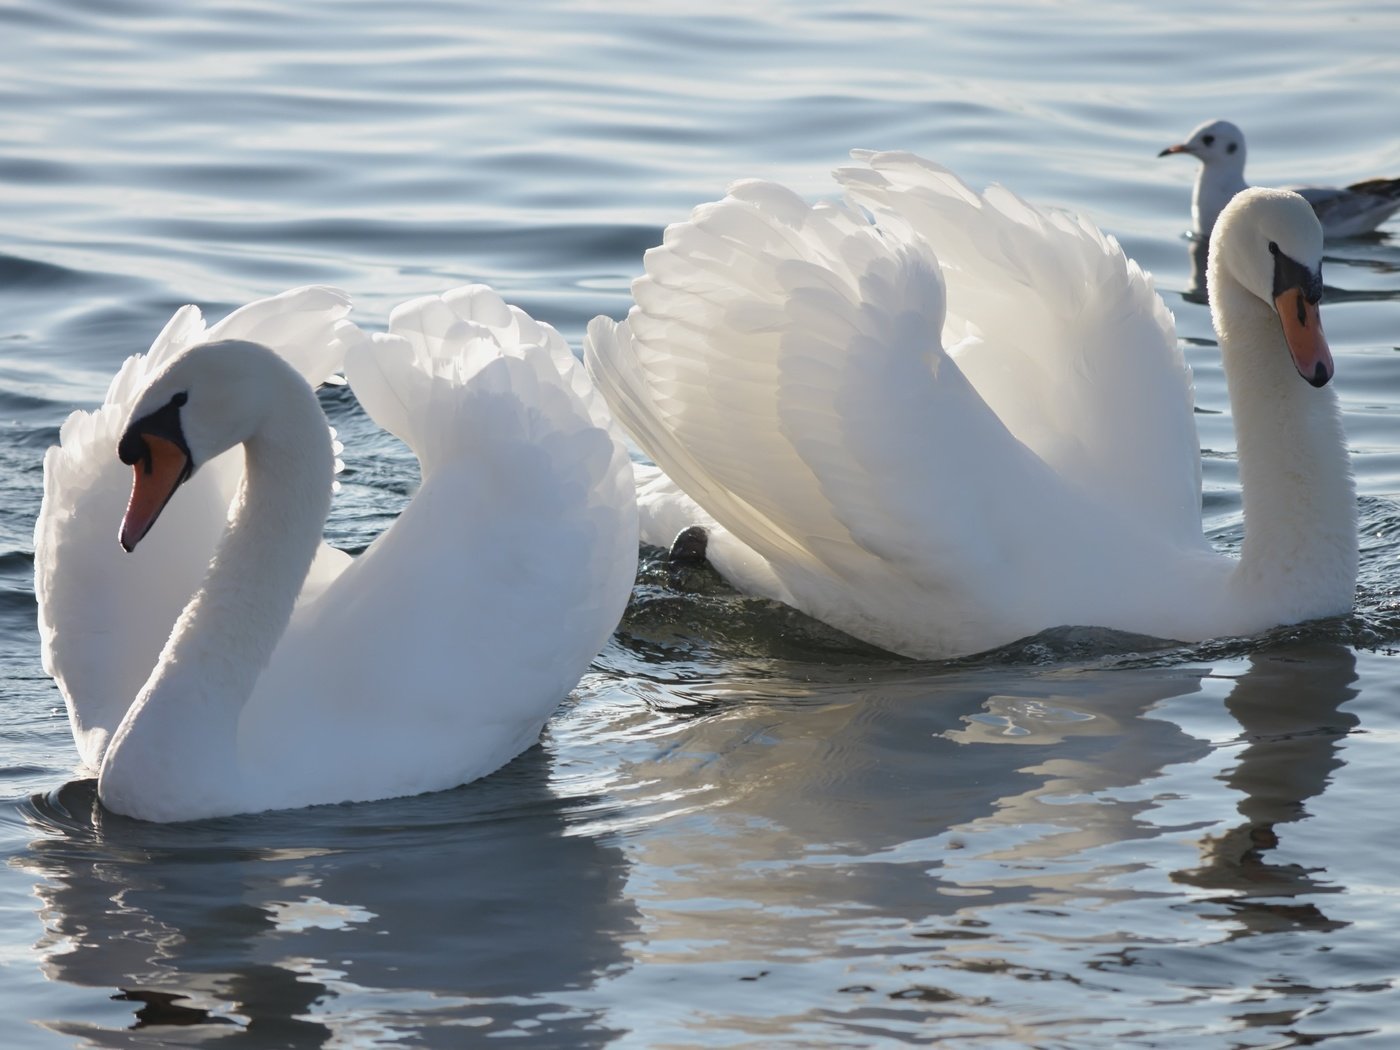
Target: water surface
(740, 830)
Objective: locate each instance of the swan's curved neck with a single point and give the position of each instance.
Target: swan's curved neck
(179, 737)
(275, 526)
(1299, 556)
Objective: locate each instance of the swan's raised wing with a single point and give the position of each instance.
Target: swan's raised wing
(700, 371)
(457, 633)
(783, 365)
(786, 366)
(306, 326)
(103, 614)
(1070, 345)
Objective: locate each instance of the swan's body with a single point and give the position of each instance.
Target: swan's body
(431, 659)
(943, 485)
(1344, 211)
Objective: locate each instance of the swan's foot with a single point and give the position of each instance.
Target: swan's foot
(686, 555)
(688, 548)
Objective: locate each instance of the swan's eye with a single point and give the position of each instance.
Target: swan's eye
(1291, 274)
(1208, 140)
(164, 423)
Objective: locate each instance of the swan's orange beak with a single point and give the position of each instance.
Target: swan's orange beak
(155, 477)
(1302, 328)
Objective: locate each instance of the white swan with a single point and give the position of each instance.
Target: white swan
(1344, 211)
(429, 660)
(943, 482)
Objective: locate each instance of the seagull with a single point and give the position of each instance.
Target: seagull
(1343, 211)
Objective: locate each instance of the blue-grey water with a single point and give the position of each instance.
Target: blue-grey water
(740, 830)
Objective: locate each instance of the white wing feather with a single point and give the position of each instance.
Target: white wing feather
(498, 584)
(1071, 346)
(786, 366)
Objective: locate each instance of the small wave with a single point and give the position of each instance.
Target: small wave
(20, 274)
(689, 625)
(695, 618)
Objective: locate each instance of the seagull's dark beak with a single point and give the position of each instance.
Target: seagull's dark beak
(1180, 147)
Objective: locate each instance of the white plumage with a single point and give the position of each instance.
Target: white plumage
(963, 423)
(429, 660)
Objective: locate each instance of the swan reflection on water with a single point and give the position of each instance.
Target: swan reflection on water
(955, 820)
(974, 822)
(1289, 709)
(470, 907)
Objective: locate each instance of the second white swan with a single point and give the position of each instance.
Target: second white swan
(969, 421)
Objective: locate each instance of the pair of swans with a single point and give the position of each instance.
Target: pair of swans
(952, 427)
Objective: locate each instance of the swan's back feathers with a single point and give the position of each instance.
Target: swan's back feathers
(490, 388)
(783, 366)
(294, 324)
(491, 593)
(1066, 339)
(116, 610)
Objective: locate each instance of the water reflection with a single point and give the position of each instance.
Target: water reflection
(1288, 704)
(1197, 256)
(386, 921)
(880, 843)
(883, 847)
(900, 843)
(1369, 267)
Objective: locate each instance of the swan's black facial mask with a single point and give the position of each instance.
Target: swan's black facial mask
(1297, 291)
(154, 447)
(1289, 273)
(164, 423)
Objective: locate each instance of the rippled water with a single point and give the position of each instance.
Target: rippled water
(741, 830)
